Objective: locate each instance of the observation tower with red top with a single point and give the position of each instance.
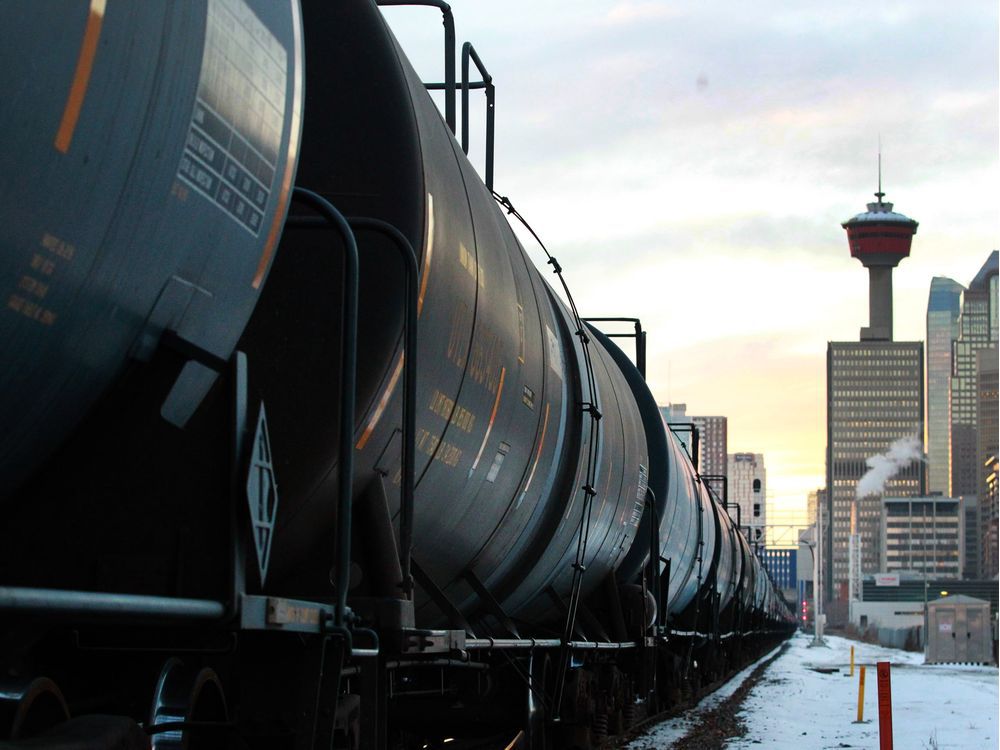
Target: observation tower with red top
(879, 238)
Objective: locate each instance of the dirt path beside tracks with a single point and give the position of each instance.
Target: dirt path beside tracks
(716, 726)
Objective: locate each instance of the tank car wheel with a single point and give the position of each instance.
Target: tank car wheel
(30, 706)
(185, 694)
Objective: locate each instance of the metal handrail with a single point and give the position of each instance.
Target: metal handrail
(469, 52)
(411, 272)
(348, 378)
(449, 53)
(639, 336)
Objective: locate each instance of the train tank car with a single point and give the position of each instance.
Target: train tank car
(146, 175)
(181, 554)
(502, 441)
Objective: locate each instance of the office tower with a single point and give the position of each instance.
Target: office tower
(922, 534)
(812, 504)
(987, 425)
(943, 308)
(990, 558)
(712, 440)
(977, 331)
(972, 544)
(748, 489)
(713, 454)
(874, 398)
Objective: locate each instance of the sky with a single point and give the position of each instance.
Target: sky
(690, 164)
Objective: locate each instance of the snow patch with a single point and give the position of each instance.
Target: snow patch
(794, 707)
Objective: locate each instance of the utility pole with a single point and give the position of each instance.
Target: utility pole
(934, 561)
(819, 619)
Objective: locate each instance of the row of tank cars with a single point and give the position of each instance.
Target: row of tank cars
(300, 449)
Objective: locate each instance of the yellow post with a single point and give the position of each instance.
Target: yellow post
(852, 662)
(861, 696)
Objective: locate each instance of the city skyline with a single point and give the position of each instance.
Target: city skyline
(670, 162)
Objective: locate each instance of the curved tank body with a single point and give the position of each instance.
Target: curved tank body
(762, 587)
(748, 572)
(502, 441)
(730, 567)
(724, 562)
(682, 528)
(144, 178)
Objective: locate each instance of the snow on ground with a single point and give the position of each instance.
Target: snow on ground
(664, 734)
(795, 707)
(933, 705)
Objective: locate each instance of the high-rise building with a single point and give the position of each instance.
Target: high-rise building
(874, 397)
(977, 331)
(972, 544)
(714, 445)
(812, 504)
(675, 415)
(815, 504)
(987, 425)
(990, 558)
(748, 488)
(943, 308)
(922, 534)
(712, 438)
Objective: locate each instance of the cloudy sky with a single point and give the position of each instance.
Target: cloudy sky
(689, 163)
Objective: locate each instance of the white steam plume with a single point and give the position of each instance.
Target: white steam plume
(882, 468)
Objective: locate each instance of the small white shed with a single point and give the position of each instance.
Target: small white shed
(958, 630)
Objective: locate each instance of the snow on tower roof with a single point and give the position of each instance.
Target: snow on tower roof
(880, 212)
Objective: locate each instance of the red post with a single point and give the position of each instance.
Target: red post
(884, 706)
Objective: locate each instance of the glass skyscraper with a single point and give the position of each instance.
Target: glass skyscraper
(943, 308)
(977, 331)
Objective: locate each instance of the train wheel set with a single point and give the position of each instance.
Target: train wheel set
(301, 449)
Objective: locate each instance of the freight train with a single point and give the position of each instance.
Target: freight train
(299, 447)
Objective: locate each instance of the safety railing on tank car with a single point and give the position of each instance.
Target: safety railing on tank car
(468, 51)
(450, 87)
(243, 610)
(349, 355)
(449, 53)
(408, 258)
(639, 336)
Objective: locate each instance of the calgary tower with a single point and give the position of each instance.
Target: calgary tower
(879, 238)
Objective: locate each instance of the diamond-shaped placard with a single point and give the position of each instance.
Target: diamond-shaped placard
(262, 494)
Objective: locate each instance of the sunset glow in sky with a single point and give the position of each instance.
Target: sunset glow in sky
(690, 163)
